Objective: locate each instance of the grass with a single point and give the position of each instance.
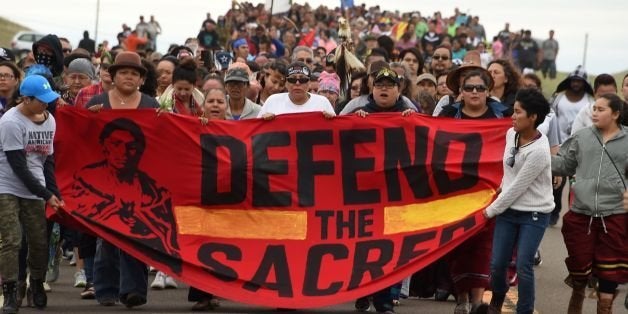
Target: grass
(7, 30)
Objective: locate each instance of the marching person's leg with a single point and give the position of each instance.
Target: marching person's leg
(133, 280)
(33, 218)
(106, 273)
(11, 235)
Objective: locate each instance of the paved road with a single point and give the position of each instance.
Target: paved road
(552, 294)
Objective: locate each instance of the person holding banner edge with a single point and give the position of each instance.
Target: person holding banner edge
(386, 97)
(27, 184)
(524, 205)
(297, 99)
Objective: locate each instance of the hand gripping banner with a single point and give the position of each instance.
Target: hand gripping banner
(296, 212)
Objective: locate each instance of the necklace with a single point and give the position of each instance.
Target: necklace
(122, 100)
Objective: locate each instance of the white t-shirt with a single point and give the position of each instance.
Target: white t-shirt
(17, 132)
(281, 104)
(566, 112)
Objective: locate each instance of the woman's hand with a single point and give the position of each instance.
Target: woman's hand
(95, 108)
(557, 181)
(203, 120)
(361, 113)
(407, 112)
(268, 116)
(328, 115)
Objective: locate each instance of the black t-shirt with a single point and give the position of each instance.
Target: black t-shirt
(489, 114)
(146, 102)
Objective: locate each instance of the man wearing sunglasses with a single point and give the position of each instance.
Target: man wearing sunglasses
(297, 99)
(441, 61)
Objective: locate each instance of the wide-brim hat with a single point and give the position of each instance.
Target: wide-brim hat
(453, 78)
(127, 59)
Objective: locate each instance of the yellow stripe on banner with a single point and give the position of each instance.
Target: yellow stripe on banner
(242, 224)
(421, 216)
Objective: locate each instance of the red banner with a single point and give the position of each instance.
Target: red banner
(296, 212)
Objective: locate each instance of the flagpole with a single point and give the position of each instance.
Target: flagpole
(96, 27)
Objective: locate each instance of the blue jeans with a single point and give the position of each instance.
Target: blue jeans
(116, 274)
(522, 231)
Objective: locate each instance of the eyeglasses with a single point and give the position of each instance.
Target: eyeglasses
(440, 57)
(294, 80)
(384, 85)
(470, 88)
(6, 76)
(308, 60)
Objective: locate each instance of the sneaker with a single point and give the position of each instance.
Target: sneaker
(463, 308)
(106, 301)
(537, 258)
(160, 281)
(89, 292)
(363, 304)
(73, 260)
(79, 279)
(47, 287)
(204, 305)
(68, 254)
(133, 300)
(170, 283)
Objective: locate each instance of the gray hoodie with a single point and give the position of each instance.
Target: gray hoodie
(599, 186)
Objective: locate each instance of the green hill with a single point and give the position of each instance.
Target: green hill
(7, 30)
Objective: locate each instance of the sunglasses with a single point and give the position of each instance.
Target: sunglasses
(439, 57)
(510, 161)
(384, 85)
(308, 60)
(470, 88)
(294, 80)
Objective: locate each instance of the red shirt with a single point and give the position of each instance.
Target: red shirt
(86, 93)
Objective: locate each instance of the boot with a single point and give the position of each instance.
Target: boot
(39, 295)
(21, 292)
(577, 297)
(9, 290)
(605, 306)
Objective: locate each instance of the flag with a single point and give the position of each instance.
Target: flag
(278, 6)
(345, 4)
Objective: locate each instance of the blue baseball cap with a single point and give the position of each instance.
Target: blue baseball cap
(37, 86)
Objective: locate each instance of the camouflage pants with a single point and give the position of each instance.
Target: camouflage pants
(17, 213)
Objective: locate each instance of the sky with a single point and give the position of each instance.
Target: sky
(602, 20)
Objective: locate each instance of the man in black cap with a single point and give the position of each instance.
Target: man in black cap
(237, 85)
(386, 95)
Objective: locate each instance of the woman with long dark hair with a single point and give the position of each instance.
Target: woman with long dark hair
(507, 81)
(595, 228)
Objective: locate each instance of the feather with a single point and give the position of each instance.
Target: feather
(346, 62)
